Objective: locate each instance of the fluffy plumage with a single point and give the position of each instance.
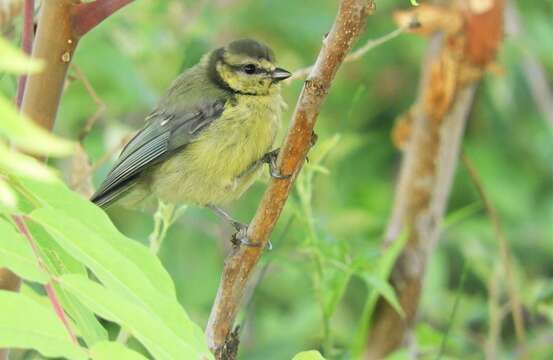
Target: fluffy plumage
(204, 142)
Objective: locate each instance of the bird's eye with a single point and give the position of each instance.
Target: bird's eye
(250, 69)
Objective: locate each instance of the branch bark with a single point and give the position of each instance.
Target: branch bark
(455, 61)
(86, 16)
(240, 263)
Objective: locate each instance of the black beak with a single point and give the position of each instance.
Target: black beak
(280, 74)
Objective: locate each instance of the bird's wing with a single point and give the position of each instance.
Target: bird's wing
(165, 133)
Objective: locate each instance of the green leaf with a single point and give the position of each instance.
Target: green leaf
(121, 264)
(59, 262)
(28, 136)
(58, 196)
(14, 163)
(15, 62)
(382, 272)
(27, 324)
(8, 200)
(160, 340)
(336, 283)
(17, 255)
(309, 355)
(383, 288)
(107, 350)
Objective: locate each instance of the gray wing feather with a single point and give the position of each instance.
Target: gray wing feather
(164, 134)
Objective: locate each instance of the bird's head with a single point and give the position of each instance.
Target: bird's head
(245, 66)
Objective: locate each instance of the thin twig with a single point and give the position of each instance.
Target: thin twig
(371, 44)
(494, 309)
(8, 279)
(453, 311)
(100, 104)
(240, 263)
(505, 252)
(56, 304)
(102, 160)
(26, 43)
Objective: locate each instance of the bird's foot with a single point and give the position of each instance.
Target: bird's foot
(240, 237)
(270, 158)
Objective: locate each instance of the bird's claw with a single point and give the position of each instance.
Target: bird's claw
(270, 158)
(240, 237)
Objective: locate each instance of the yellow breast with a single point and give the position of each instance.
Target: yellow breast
(211, 169)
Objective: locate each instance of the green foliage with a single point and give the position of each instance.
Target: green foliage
(309, 355)
(27, 324)
(112, 350)
(327, 269)
(16, 254)
(66, 236)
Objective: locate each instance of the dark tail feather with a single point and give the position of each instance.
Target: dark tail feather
(105, 198)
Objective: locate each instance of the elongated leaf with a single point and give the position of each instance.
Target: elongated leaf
(28, 136)
(59, 263)
(382, 272)
(15, 62)
(121, 264)
(160, 340)
(8, 200)
(17, 255)
(115, 270)
(383, 288)
(112, 350)
(309, 355)
(58, 196)
(14, 163)
(26, 324)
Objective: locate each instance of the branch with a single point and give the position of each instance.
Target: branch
(239, 265)
(26, 43)
(86, 16)
(359, 53)
(456, 59)
(505, 253)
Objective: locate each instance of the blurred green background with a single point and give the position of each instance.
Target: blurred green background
(338, 218)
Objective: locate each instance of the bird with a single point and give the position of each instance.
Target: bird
(205, 142)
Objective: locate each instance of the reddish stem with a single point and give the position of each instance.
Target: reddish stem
(86, 16)
(56, 304)
(26, 43)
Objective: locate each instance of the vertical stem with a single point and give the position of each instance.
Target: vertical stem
(9, 280)
(450, 77)
(55, 45)
(26, 43)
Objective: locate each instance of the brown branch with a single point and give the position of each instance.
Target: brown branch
(455, 62)
(239, 265)
(54, 44)
(505, 253)
(86, 16)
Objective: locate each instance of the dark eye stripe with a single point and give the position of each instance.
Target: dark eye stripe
(258, 70)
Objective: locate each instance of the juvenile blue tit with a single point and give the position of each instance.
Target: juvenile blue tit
(205, 142)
